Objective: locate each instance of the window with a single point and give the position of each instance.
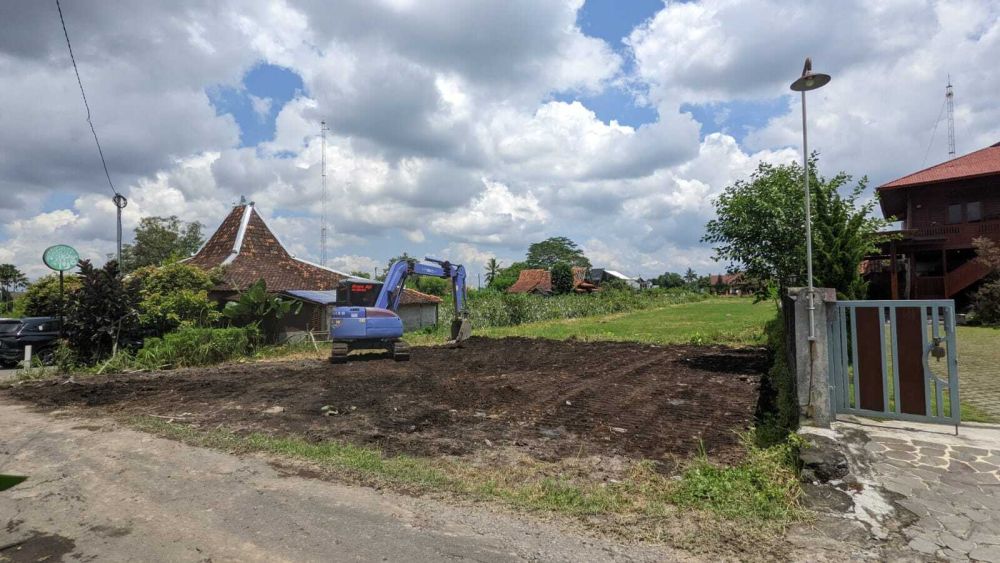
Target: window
(974, 211)
(954, 213)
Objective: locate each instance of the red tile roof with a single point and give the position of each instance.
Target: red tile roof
(537, 280)
(530, 281)
(248, 251)
(983, 162)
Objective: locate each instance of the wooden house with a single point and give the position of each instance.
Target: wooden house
(246, 250)
(942, 209)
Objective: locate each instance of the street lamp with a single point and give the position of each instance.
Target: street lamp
(808, 81)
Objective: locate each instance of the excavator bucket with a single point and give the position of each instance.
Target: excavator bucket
(461, 330)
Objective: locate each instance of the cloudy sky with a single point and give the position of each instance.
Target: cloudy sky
(466, 129)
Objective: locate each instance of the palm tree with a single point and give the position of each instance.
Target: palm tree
(11, 280)
(492, 270)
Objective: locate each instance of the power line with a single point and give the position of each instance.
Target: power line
(119, 200)
(933, 132)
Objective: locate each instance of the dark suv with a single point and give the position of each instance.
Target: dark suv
(42, 333)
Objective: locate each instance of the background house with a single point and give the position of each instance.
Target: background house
(539, 281)
(246, 250)
(942, 209)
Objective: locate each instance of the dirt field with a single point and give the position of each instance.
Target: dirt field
(550, 399)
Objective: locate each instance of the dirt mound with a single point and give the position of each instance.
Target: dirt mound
(551, 399)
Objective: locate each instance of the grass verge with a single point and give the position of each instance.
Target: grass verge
(749, 501)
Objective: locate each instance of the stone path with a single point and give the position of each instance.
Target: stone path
(924, 494)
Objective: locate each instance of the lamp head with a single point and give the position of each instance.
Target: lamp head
(809, 79)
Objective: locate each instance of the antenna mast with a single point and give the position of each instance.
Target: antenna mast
(322, 229)
(949, 95)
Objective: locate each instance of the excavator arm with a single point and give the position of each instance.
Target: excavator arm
(395, 280)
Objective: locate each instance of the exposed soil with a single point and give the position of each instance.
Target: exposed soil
(549, 399)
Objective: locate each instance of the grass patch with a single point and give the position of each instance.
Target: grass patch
(730, 321)
(759, 493)
(763, 488)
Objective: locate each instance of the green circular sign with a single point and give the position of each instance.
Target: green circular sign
(61, 257)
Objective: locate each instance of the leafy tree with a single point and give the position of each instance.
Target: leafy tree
(257, 307)
(360, 274)
(562, 278)
(986, 300)
(11, 280)
(492, 270)
(552, 251)
(41, 299)
(670, 279)
(432, 286)
(507, 276)
(159, 240)
(175, 295)
(690, 278)
(102, 312)
(760, 229)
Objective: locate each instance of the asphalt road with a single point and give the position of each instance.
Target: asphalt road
(99, 491)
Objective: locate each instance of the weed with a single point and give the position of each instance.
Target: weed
(764, 488)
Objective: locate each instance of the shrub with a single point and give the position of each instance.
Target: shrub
(174, 295)
(102, 311)
(195, 347)
(41, 299)
(986, 303)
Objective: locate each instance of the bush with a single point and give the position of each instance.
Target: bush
(102, 312)
(174, 295)
(986, 303)
(192, 346)
(41, 299)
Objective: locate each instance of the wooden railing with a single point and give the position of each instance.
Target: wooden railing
(962, 232)
(964, 276)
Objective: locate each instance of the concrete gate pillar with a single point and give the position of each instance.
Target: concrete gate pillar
(811, 357)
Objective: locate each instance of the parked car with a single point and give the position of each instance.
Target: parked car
(42, 333)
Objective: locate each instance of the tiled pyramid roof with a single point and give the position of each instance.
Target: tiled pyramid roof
(248, 250)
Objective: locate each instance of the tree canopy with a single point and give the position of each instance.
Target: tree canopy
(11, 280)
(554, 250)
(759, 229)
(159, 240)
(562, 278)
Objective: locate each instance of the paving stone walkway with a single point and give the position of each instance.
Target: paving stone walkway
(924, 494)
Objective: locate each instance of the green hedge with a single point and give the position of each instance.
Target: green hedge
(187, 347)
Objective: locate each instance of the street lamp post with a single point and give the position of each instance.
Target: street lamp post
(808, 81)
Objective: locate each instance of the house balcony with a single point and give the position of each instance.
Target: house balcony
(958, 235)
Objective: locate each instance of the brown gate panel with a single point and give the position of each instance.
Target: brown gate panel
(910, 343)
(870, 358)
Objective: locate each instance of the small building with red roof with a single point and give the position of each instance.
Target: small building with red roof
(244, 250)
(942, 210)
(539, 281)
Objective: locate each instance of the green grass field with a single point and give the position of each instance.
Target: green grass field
(979, 370)
(731, 321)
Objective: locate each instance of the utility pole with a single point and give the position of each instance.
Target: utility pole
(323, 229)
(949, 95)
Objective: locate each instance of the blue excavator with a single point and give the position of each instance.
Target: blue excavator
(366, 320)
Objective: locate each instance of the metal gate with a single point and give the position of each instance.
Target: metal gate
(895, 359)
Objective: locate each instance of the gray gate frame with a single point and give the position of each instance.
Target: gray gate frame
(839, 361)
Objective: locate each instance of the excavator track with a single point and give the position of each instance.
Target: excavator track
(338, 354)
(400, 351)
